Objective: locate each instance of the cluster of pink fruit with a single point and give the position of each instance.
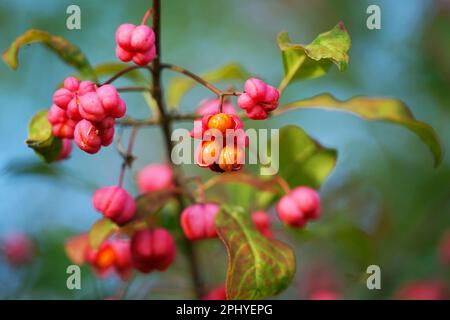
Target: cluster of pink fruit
(299, 206)
(86, 113)
(258, 99)
(135, 43)
(148, 250)
(154, 249)
(222, 131)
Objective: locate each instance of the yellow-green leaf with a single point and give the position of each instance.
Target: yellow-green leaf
(41, 138)
(258, 267)
(314, 60)
(376, 109)
(101, 231)
(302, 160)
(67, 51)
(179, 86)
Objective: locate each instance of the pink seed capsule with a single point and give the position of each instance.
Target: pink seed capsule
(66, 148)
(91, 107)
(73, 111)
(308, 201)
(290, 213)
(145, 57)
(115, 203)
(106, 123)
(262, 222)
(71, 84)
(123, 35)
(256, 88)
(198, 221)
(123, 55)
(85, 87)
(109, 98)
(245, 101)
(155, 177)
(123, 263)
(152, 249)
(423, 290)
(218, 293)
(107, 136)
(142, 38)
(257, 113)
(120, 109)
(56, 115)
(62, 97)
(211, 106)
(18, 248)
(87, 137)
(258, 99)
(64, 130)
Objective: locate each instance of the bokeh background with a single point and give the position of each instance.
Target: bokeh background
(384, 203)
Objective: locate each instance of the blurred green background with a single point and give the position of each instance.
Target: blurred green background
(384, 204)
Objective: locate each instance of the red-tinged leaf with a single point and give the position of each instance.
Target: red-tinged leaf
(76, 248)
(258, 267)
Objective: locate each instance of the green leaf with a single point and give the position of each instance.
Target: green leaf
(67, 51)
(101, 231)
(179, 86)
(41, 138)
(257, 267)
(240, 188)
(376, 109)
(302, 160)
(313, 60)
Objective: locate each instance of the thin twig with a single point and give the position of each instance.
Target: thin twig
(201, 190)
(282, 183)
(133, 89)
(221, 103)
(193, 76)
(129, 158)
(145, 18)
(123, 72)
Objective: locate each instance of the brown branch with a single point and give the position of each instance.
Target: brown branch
(133, 89)
(165, 123)
(128, 158)
(123, 72)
